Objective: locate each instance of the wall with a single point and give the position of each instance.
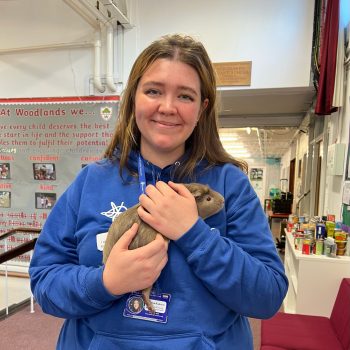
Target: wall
(336, 130)
(285, 161)
(339, 132)
(37, 73)
(264, 32)
(328, 130)
(271, 177)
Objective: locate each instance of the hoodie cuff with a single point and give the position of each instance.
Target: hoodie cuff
(196, 239)
(95, 289)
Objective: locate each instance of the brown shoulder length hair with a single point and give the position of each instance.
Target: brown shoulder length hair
(204, 142)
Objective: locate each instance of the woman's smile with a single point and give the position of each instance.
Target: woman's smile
(166, 124)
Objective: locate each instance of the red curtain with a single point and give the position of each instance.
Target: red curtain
(328, 60)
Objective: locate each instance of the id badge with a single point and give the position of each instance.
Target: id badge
(136, 308)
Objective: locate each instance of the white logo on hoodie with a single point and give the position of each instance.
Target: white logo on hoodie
(115, 211)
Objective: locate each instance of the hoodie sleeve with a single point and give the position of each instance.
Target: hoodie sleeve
(241, 267)
(60, 285)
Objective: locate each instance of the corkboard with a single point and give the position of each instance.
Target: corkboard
(233, 73)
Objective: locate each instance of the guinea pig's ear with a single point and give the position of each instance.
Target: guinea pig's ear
(197, 193)
(194, 189)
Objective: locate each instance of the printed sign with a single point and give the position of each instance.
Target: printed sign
(43, 145)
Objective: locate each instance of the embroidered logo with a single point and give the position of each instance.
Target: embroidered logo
(115, 211)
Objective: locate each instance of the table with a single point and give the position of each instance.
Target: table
(314, 280)
(272, 215)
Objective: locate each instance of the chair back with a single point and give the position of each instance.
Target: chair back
(340, 316)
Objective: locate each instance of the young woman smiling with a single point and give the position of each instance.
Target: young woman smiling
(212, 275)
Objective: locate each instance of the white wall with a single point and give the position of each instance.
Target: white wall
(339, 132)
(285, 161)
(41, 73)
(271, 175)
(275, 35)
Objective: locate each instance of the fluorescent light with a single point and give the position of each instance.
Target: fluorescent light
(239, 153)
(224, 138)
(233, 146)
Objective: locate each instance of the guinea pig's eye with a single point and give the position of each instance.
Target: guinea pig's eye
(208, 198)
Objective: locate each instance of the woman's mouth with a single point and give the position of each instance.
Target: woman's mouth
(165, 124)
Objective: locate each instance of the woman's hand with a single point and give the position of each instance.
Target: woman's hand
(170, 209)
(132, 270)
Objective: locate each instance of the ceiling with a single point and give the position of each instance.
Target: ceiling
(263, 121)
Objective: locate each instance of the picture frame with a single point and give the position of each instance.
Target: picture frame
(44, 200)
(5, 172)
(44, 171)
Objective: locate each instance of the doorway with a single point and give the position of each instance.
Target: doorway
(319, 153)
(291, 176)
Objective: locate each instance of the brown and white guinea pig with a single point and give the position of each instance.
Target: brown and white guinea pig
(209, 202)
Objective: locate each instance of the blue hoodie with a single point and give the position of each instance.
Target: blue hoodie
(223, 270)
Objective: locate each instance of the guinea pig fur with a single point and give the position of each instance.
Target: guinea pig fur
(209, 202)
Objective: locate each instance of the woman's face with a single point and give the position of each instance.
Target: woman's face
(167, 107)
(136, 304)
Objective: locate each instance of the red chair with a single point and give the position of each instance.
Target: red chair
(303, 332)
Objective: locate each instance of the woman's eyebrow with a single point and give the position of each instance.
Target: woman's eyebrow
(181, 87)
(189, 89)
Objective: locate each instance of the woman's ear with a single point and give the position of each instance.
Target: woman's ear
(204, 104)
(203, 107)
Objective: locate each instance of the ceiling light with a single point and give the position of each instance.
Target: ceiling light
(228, 146)
(239, 153)
(224, 138)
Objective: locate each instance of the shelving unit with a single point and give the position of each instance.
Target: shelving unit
(313, 280)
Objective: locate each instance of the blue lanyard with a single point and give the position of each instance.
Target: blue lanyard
(142, 175)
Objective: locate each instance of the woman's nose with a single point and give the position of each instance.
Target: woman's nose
(167, 105)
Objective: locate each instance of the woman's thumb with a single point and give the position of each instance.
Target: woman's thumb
(180, 189)
(127, 237)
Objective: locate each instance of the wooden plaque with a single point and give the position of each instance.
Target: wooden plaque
(233, 73)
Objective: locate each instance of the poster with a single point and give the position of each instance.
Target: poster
(257, 180)
(44, 143)
(256, 174)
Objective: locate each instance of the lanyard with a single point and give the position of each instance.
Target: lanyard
(142, 175)
(142, 183)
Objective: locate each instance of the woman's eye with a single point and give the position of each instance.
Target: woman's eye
(186, 97)
(152, 92)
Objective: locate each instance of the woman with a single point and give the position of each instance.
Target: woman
(213, 274)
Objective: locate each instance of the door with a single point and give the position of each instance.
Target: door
(291, 175)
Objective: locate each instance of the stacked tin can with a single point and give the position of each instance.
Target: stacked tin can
(319, 236)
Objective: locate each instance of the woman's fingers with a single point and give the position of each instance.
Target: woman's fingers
(130, 270)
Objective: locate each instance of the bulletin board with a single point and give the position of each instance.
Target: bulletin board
(44, 143)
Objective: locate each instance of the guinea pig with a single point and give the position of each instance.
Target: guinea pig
(209, 202)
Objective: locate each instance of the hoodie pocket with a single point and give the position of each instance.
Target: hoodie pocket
(193, 341)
